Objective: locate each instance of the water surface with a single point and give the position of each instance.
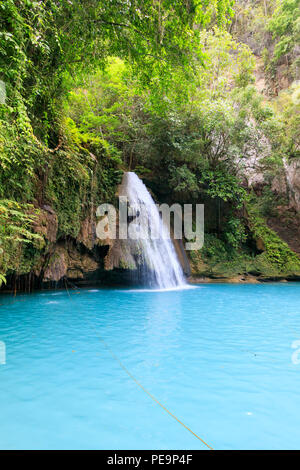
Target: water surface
(218, 356)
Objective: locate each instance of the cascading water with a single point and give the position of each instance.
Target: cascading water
(157, 262)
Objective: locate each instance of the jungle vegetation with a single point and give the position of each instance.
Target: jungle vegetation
(89, 89)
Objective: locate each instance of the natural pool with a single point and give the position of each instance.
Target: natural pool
(218, 356)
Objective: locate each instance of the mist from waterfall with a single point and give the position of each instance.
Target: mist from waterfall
(158, 265)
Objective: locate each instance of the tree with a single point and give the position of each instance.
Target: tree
(285, 27)
(41, 41)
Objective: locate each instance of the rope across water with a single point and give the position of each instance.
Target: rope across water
(115, 357)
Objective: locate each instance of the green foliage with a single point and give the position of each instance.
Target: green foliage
(111, 106)
(98, 114)
(183, 180)
(67, 183)
(224, 186)
(96, 87)
(285, 27)
(218, 260)
(227, 63)
(214, 249)
(287, 108)
(42, 41)
(271, 29)
(44, 48)
(20, 156)
(234, 232)
(2, 279)
(267, 202)
(250, 22)
(15, 231)
(276, 251)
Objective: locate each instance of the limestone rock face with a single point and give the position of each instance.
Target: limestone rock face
(57, 267)
(87, 233)
(250, 167)
(288, 183)
(68, 261)
(292, 171)
(73, 259)
(80, 264)
(116, 257)
(46, 223)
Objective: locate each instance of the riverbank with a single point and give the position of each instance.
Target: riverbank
(101, 284)
(246, 279)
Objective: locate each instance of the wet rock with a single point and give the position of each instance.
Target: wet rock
(68, 261)
(57, 266)
(87, 233)
(46, 223)
(182, 257)
(80, 264)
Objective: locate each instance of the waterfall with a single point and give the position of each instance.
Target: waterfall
(155, 258)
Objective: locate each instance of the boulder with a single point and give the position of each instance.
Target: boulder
(57, 266)
(70, 262)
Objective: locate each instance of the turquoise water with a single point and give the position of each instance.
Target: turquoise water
(218, 356)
